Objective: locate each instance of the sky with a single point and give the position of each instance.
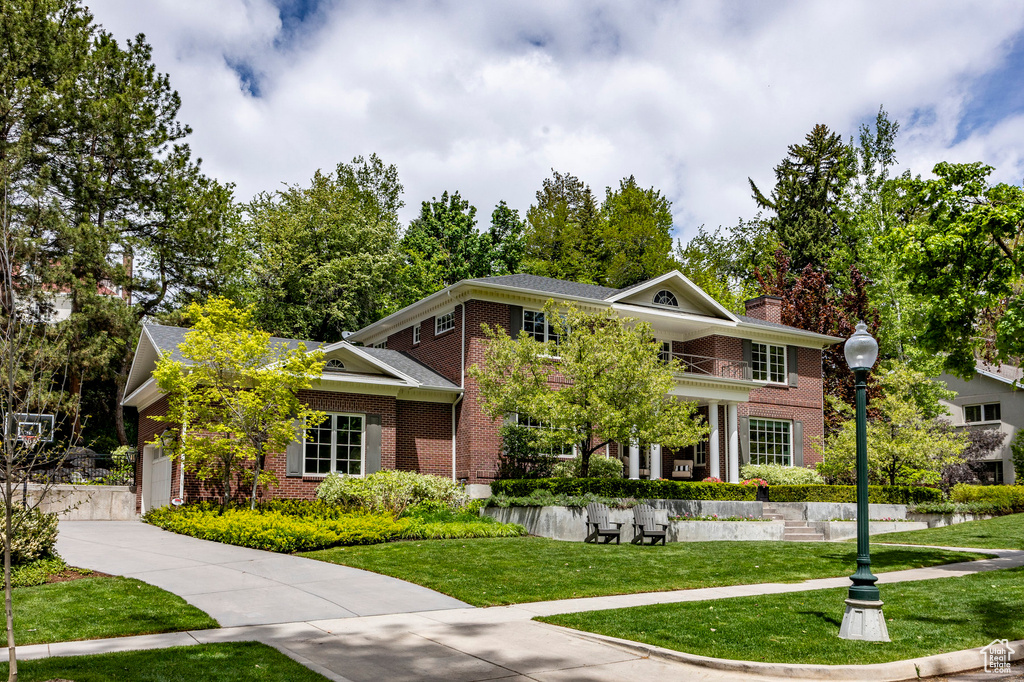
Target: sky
(486, 98)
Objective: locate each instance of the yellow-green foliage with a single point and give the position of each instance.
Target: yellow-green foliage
(35, 534)
(600, 467)
(390, 491)
(1005, 498)
(278, 532)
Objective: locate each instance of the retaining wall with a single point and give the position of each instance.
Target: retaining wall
(87, 502)
(845, 530)
(938, 520)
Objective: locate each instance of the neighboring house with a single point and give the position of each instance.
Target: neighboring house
(993, 399)
(403, 398)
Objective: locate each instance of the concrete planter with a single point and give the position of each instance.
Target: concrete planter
(570, 523)
(939, 520)
(710, 531)
(88, 502)
(844, 530)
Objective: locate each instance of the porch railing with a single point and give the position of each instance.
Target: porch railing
(713, 367)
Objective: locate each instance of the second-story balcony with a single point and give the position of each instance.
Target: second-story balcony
(702, 365)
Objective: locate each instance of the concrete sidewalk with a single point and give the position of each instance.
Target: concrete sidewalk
(237, 585)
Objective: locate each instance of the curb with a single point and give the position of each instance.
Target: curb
(895, 671)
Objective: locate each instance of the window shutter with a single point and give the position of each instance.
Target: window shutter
(791, 361)
(744, 439)
(293, 453)
(515, 320)
(373, 439)
(748, 358)
(798, 444)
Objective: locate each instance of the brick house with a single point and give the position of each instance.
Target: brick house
(402, 398)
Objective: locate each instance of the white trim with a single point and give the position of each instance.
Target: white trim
(789, 435)
(416, 334)
(687, 284)
(437, 322)
(768, 356)
(379, 364)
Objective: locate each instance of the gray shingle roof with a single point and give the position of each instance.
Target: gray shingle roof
(167, 340)
(548, 285)
(406, 364)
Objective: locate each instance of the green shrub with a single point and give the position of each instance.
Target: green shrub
(277, 531)
(1017, 455)
(877, 494)
(600, 467)
(35, 534)
(39, 571)
(777, 474)
(623, 487)
(956, 508)
(545, 498)
(390, 491)
(519, 457)
(1008, 499)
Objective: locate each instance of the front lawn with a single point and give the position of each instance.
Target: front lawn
(925, 617)
(488, 572)
(234, 662)
(1002, 532)
(91, 608)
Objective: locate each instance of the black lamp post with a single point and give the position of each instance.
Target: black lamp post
(863, 618)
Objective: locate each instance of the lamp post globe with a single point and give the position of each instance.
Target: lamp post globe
(863, 618)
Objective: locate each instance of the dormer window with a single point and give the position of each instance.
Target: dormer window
(334, 365)
(666, 297)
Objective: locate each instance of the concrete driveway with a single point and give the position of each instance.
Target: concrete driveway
(237, 585)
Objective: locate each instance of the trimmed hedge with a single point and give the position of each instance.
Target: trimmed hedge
(624, 487)
(1007, 499)
(877, 494)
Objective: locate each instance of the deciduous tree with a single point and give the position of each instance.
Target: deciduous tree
(601, 382)
(233, 398)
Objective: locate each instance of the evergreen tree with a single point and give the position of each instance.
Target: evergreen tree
(806, 200)
(564, 232)
(638, 234)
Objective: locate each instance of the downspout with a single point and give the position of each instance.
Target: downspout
(462, 384)
(454, 405)
(181, 459)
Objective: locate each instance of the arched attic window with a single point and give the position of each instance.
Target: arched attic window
(334, 365)
(666, 297)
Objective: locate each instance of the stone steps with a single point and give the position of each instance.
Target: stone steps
(797, 530)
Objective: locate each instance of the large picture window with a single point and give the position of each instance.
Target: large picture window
(771, 442)
(335, 445)
(768, 362)
(536, 324)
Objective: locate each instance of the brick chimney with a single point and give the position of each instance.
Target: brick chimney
(768, 308)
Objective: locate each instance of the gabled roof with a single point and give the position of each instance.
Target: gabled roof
(157, 341)
(684, 283)
(549, 285)
(1008, 374)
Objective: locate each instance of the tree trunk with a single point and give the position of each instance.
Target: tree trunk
(227, 487)
(121, 379)
(75, 386)
(8, 596)
(256, 478)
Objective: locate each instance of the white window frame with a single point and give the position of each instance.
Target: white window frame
(700, 453)
(786, 459)
(982, 413)
(675, 298)
(444, 323)
(334, 445)
(415, 334)
(549, 333)
(382, 344)
(767, 374)
(665, 350)
(529, 422)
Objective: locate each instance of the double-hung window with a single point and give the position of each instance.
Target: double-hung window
(989, 412)
(664, 351)
(444, 323)
(336, 445)
(768, 362)
(700, 454)
(416, 334)
(564, 451)
(536, 324)
(771, 442)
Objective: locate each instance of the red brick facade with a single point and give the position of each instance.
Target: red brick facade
(417, 436)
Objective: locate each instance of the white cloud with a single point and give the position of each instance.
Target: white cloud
(486, 98)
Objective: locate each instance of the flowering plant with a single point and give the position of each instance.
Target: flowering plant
(712, 479)
(756, 481)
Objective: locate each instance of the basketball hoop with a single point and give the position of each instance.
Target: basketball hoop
(30, 439)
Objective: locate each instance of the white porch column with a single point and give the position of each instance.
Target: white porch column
(733, 432)
(713, 443)
(655, 460)
(634, 460)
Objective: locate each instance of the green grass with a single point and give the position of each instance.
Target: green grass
(91, 608)
(234, 662)
(487, 572)
(1002, 532)
(924, 617)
